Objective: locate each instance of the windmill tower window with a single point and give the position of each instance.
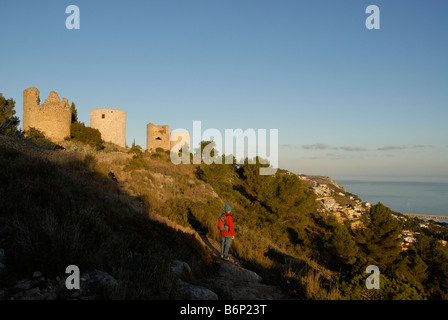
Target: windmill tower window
(103, 116)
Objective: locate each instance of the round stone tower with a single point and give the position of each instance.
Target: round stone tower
(111, 123)
(157, 136)
(53, 117)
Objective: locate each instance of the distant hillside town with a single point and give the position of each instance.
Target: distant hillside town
(347, 207)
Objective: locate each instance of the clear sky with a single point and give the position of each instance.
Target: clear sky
(346, 100)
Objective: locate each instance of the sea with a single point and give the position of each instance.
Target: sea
(404, 194)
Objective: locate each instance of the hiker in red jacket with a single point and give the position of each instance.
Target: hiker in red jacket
(227, 235)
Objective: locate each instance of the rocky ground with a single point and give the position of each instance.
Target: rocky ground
(39, 287)
(239, 283)
(234, 283)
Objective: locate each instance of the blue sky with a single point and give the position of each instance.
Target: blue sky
(346, 100)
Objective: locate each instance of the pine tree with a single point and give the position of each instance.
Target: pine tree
(74, 113)
(342, 245)
(380, 239)
(7, 113)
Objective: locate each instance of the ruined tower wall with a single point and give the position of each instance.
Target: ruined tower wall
(111, 123)
(157, 137)
(178, 139)
(53, 117)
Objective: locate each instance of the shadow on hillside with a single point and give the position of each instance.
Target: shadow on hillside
(293, 236)
(242, 190)
(244, 193)
(202, 231)
(209, 244)
(56, 210)
(285, 259)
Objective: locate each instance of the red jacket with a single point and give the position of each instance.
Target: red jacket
(229, 222)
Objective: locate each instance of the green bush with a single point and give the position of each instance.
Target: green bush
(79, 132)
(136, 151)
(136, 163)
(110, 147)
(39, 139)
(155, 156)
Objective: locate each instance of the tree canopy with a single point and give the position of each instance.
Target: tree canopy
(7, 113)
(380, 240)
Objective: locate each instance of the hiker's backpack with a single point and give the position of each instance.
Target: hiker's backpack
(222, 223)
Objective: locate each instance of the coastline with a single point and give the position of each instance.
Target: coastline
(403, 194)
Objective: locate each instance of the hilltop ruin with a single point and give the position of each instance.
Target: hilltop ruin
(53, 117)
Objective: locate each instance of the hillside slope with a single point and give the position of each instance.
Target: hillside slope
(272, 233)
(60, 209)
(56, 211)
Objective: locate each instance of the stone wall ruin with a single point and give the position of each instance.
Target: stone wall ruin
(157, 137)
(53, 117)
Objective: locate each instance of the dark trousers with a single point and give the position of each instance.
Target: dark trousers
(225, 246)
